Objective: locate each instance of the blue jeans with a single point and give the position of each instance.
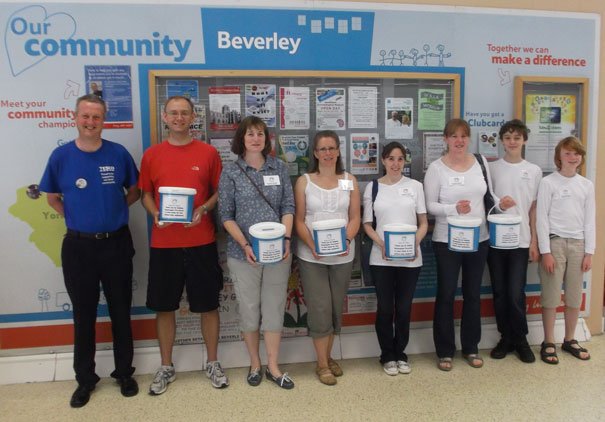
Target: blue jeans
(395, 288)
(449, 264)
(508, 272)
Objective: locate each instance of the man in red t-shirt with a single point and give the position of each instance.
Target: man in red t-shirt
(183, 255)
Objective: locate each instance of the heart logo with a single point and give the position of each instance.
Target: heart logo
(27, 28)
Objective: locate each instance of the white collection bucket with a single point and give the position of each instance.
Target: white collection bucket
(176, 204)
(267, 241)
(504, 230)
(400, 241)
(463, 233)
(330, 237)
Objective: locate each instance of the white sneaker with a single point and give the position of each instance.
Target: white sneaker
(403, 367)
(390, 368)
(164, 376)
(214, 371)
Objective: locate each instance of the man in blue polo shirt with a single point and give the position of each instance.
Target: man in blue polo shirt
(92, 182)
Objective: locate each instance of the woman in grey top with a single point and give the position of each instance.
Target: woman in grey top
(260, 288)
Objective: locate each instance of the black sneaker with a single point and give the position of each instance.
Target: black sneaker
(502, 349)
(525, 353)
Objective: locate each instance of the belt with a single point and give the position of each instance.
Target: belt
(96, 236)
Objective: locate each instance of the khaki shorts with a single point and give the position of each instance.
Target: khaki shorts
(568, 254)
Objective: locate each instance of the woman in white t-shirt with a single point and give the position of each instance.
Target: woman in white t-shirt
(398, 200)
(327, 192)
(454, 185)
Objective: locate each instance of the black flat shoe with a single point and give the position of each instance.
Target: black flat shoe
(255, 376)
(284, 381)
(525, 353)
(128, 386)
(503, 348)
(81, 396)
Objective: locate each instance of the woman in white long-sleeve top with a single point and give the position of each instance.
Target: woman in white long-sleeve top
(454, 185)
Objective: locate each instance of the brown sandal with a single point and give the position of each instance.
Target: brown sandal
(568, 346)
(549, 357)
(334, 367)
(325, 376)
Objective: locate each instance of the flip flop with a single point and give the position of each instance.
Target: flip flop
(471, 358)
(445, 364)
(567, 346)
(544, 355)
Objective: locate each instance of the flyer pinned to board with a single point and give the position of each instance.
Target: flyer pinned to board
(260, 102)
(330, 108)
(293, 150)
(364, 153)
(398, 118)
(225, 107)
(295, 112)
(363, 107)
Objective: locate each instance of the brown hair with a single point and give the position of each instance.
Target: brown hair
(91, 98)
(514, 126)
(572, 143)
(238, 146)
(454, 124)
(388, 148)
(314, 163)
(179, 97)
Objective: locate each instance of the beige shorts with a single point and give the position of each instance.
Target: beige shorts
(568, 254)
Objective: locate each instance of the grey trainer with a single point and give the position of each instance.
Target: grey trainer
(215, 372)
(164, 376)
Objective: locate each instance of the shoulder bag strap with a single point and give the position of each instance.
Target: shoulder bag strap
(258, 189)
(374, 195)
(480, 161)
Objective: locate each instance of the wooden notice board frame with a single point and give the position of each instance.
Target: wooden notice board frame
(555, 86)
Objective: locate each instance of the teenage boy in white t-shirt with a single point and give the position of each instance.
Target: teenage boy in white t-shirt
(513, 176)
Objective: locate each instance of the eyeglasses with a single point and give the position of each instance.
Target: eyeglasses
(177, 113)
(327, 149)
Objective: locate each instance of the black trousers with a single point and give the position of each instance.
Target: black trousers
(449, 265)
(508, 273)
(395, 287)
(86, 263)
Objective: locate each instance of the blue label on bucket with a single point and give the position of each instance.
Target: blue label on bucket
(330, 241)
(504, 236)
(268, 251)
(400, 245)
(176, 208)
(462, 239)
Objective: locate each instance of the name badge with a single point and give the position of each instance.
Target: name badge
(524, 174)
(564, 193)
(406, 192)
(271, 180)
(456, 180)
(345, 184)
